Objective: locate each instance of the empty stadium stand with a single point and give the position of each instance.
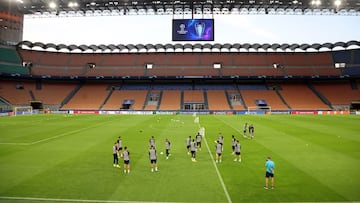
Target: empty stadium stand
(180, 81)
(16, 92)
(88, 97)
(300, 97)
(171, 100)
(117, 98)
(270, 96)
(217, 100)
(339, 94)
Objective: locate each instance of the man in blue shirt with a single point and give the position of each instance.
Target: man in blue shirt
(270, 169)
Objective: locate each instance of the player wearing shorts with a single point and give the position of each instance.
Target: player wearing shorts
(233, 143)
(119, 143)
(115, 155)
(270, 169)
(198, 141)
(167, 148)
(153, 159)
(245, 129)
(188, 141)
(251, 130)
(237, 151)
(152, 142)
(193, 150)
(221, 139)
(126, 156)
(218, 152)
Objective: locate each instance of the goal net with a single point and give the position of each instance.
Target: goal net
(259, 110)
(23, 110)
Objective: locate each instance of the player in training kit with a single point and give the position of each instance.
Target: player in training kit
(167, 148)
(153, 159)
(152, 141)
(245, 129)
(193, 150)
(221, 139)
(119, 143)
(270, 169)
(198, 141)
(115, 155)
(126, 156)
(233, 143)
(251, 131)
(188, 141)
(218, 152)
(237, 151)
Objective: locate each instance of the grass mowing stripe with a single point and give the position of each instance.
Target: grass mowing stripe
(27, 199)
(217, 171)
(55, 136)
(320, 161)
(74, 200)
(13, 143)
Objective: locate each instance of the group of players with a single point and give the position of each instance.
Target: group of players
(119, 152)
(193, 145)
(251, 130)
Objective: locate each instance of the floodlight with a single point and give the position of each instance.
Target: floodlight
(149, 66)
(340, 65)
(217, 65)
(52, 5)
(277, 65)
(91, 65)
(73, 4)
(337, 3)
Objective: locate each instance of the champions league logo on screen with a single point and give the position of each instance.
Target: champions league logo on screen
(193, 30)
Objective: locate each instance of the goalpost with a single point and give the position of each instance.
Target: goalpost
(23, 110)
(259, 110)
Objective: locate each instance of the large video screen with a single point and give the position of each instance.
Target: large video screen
(193, 30)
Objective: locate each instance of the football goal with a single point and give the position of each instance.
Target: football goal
(23, 110)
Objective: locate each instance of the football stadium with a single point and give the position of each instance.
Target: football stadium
(192, 121)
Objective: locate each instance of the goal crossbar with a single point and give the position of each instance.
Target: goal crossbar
(22, 110)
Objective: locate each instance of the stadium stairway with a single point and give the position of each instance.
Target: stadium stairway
(107, 98)
(32, 95)
(317, 93)
(228, 100)
(282, 98)
(206, 100)
(72, 93)
(182, 99)
(242, 99)
(353, 85)
(160, 98)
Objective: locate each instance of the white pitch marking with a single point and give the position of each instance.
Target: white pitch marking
(49, 138)
(217, 172)
(75, 200)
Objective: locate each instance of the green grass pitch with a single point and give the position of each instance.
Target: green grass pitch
(57, 158)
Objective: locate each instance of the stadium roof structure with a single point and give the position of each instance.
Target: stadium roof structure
(139, 48)
(180, 7)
